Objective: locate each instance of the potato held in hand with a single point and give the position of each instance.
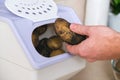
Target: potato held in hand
(62, 29)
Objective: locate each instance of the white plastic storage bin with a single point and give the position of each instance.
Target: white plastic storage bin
(19, 60)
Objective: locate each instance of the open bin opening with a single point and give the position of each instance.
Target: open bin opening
(46, 42)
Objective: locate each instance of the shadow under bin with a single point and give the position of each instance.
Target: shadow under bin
(22, 31)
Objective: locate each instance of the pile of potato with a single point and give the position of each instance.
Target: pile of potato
(52, 46)
(47, 47)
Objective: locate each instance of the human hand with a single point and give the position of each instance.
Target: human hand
(102, 43)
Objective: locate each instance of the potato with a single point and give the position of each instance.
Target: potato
(54, 42)
(56, 52)
(43, 49)
(35, 40)
(63, 31)
(36, 33)
(40, 30)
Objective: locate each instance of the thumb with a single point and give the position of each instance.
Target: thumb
(79, 29)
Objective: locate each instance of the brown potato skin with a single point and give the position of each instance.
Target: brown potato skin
(40, 30)
(42, 48)
(36, 33)
(54, 42)
(62, 29)
(35, 40)
(56, 52)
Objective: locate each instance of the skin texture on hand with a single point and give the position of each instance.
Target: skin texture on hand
(102, 43)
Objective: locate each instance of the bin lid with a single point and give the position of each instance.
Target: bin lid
(35, 10)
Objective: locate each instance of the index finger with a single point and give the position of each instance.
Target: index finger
(79, 29)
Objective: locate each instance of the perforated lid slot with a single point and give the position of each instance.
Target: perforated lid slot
(35, 10)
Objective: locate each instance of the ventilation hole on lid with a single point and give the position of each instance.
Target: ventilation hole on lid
(33, 8)
(40, 6)
(43, 4)
(37, 7)
(50, 5)
(28, 8)
(34, 13)
(45, 11)
(19, 11)
(23, 7)
(48, 9)
(39, 13)
(27, 12)
(16, 5)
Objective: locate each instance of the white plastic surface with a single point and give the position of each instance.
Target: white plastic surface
(14, 64)
(35, 10)
(14, 61)
(23, 28)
